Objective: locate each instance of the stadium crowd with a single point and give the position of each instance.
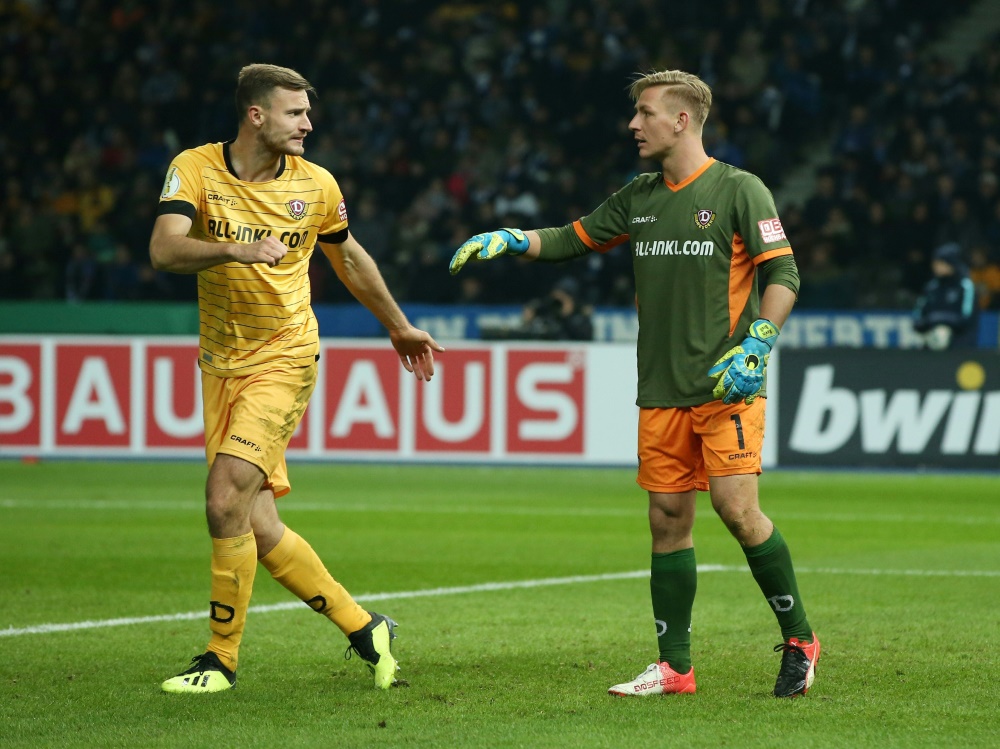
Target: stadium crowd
(443, 119)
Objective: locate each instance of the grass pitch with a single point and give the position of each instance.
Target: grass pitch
(900, 576)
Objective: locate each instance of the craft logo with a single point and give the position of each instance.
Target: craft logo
(771, 230)
(704, 218)
(214, 197)
(296, 208)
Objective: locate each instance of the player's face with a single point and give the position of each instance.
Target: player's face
(286, 123)
(656, 126)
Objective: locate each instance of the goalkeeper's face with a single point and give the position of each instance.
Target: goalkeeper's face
(286, 123)
(656, 127)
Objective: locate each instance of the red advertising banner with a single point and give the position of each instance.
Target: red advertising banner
(361, 388)
(92, 395)
(141, 397)
(173, 397)
(20, 394)
(545, 401)
(453, 409)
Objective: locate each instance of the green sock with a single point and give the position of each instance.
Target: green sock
(673, 581)
(771, 565)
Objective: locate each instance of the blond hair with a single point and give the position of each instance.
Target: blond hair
(690, 90)
(256, 82)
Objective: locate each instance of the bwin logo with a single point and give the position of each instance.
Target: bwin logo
(829, 417)
(781, 603)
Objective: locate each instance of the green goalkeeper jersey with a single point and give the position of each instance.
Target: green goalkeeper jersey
(695, 248)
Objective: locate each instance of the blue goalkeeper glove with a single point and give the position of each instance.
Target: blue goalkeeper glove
(740, 371)
(488, 246)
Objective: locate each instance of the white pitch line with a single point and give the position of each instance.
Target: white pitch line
(485, 509)
(181, 506)
(40, 629)
(426, 593)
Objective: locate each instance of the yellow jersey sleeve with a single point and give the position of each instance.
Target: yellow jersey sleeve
(334, 227)
(182, 188)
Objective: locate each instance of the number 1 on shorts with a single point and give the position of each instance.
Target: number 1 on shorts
(739, 431)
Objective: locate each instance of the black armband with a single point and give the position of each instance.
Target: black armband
(176, 206)
(338, 237)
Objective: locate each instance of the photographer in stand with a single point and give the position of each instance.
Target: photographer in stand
(557, 316)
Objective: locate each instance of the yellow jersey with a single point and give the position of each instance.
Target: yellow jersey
(254, 316)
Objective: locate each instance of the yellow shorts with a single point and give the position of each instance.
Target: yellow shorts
(254, 417)
(679, 448)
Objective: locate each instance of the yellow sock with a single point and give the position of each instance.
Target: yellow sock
(294, 564)
(234, 563)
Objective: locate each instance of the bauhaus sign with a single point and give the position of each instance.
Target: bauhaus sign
(541, 403)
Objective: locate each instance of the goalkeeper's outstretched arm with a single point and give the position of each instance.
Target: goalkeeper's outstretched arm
(547, 245)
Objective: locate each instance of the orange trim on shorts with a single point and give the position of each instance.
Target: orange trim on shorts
(585, 238)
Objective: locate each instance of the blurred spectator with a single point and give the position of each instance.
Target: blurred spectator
(121, 276)
(516, 205)
(373, 227)
(984, 271)
(153, 284)
(81, 275)
(824, 284)
(946, 312)
(818, 206)
(425, 282)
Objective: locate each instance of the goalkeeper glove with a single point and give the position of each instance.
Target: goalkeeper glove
(740, 371)
(488, 246)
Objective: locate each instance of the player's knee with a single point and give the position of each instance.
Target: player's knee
(667, 529)
(742, 523)
(225, 509)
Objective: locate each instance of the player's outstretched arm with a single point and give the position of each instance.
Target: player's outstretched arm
(493, 244)
(359, 273)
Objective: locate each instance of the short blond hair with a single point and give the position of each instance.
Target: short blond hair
(690, 90)
(256, 82)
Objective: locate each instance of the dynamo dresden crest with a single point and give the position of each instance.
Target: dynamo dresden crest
(296, 208)
(704, 218)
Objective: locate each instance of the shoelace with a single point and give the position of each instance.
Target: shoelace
(197, 663)
(649, 669)
(786, 646)
(791, 668)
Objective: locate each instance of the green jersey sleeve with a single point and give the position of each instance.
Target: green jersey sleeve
(758, 222)
(607, 226)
